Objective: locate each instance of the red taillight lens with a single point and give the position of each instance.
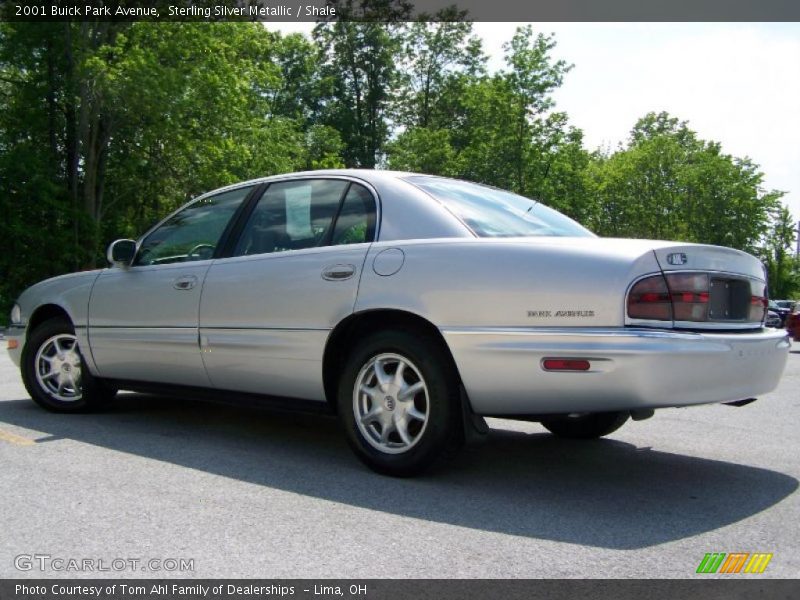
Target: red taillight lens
(758, 307)
(649, 299)
(679, 296)
(690, 293)
(697, 297)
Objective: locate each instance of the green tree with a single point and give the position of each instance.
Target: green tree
(360, 69)
(436, 57)
(424, 150)
(777, 253)
(493, 129)
(669, 184)
(557, 169)
(296, 89)
(105, 127)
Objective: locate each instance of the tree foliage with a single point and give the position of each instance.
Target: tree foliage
(783, 267)
(668, 183)
(360, 71)
(107, 126)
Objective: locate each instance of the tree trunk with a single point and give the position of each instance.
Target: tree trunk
(52, 86)
(71, 135)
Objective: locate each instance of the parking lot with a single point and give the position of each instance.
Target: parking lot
(243, 492)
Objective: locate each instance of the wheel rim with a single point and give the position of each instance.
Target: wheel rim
(391, 403)
(58, 368)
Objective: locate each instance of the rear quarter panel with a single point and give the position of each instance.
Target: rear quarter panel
(542, 282)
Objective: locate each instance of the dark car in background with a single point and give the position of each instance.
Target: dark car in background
(783, 308)
(773, 320)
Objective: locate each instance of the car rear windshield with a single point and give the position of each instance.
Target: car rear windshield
(490, 212)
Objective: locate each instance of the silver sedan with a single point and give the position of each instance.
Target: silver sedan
(410, 304)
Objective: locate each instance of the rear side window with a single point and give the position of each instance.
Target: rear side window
(308, 213)
(292, 215)
(356, 221)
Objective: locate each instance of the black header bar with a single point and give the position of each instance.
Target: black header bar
(387, 10)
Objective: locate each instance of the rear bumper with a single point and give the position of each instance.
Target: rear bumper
(630, 368)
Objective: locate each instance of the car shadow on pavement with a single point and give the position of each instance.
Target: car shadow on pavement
(602, 493)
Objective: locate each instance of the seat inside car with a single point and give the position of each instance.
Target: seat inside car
(324, 204)
(267, 232)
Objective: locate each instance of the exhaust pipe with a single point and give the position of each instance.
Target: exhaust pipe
(741, 402)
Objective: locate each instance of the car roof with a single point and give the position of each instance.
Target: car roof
(371, 176)
(407, 212)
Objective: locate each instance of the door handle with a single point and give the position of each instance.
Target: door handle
(186, 282)
(338, 272)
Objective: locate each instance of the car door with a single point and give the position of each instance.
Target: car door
(266, 310)
(143, 319)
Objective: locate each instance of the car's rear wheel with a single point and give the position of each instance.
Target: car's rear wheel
(55, 374)
(586, 426)
(399, 402)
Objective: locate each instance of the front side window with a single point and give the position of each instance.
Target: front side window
(491, 212)
(193, 233)
(292, 215)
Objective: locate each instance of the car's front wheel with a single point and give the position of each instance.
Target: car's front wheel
(54, 371)
(586, 426)
(399, 402)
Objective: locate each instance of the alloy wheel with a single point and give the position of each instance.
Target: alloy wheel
(391, 403)
(58, 368)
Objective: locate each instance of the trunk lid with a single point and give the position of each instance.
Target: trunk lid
(673, 256)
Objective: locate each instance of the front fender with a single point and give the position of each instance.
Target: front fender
(68, 294)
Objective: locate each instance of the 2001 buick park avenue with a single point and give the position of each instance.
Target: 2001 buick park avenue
(413, 305)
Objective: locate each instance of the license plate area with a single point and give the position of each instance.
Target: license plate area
(729, 299)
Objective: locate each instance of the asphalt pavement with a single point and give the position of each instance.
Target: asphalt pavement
(242, 492)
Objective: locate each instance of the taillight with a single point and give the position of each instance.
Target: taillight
(649, 299)
(758, 307)
(688, 297)
(690, 294)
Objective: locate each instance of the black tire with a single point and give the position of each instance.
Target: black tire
(88, 394)
(586, 427)
(442, 434)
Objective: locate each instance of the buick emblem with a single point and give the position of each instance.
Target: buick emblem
(677, 258)
(389, 401)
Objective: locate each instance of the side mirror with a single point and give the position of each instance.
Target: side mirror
(121, 252)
